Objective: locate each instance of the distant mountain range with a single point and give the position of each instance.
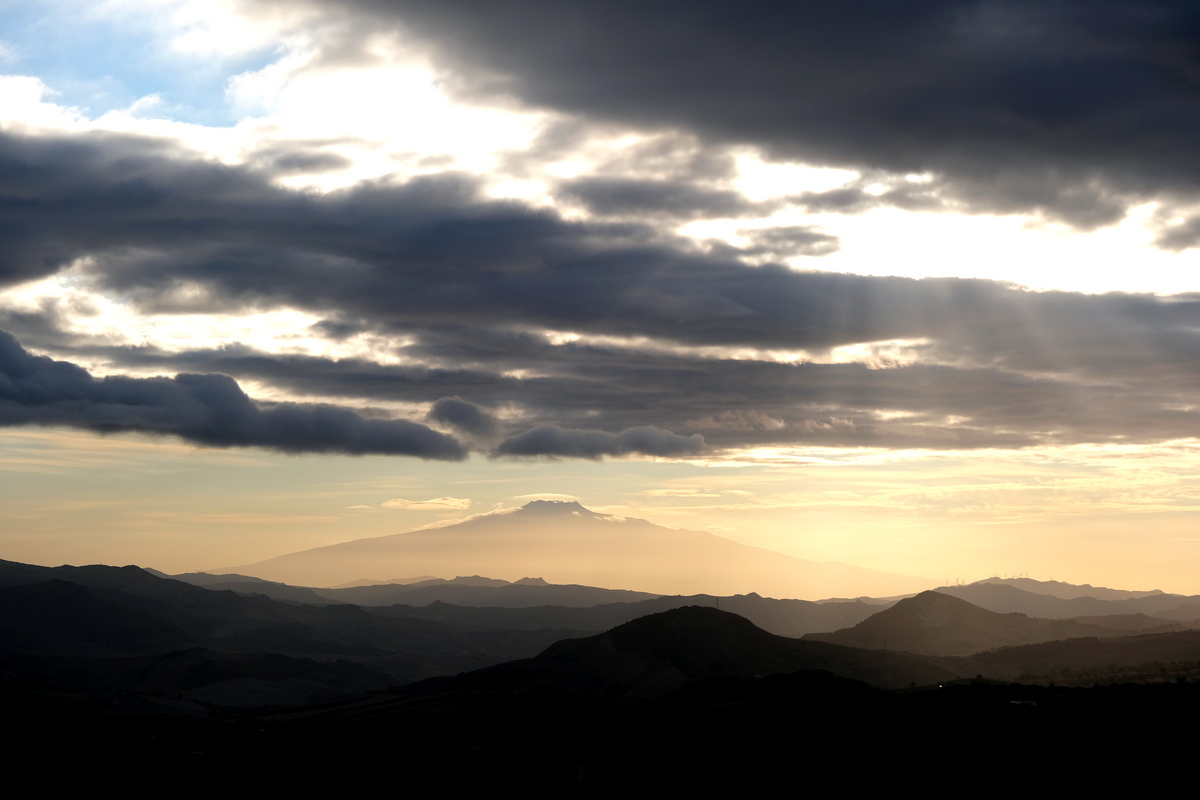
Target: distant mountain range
(1068, 591)
(1008, 597)
(935, 623)
(565, 543)
(532, 603)
(447, 626)
(105, 629)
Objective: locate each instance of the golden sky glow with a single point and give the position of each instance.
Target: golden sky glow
(1038, 446)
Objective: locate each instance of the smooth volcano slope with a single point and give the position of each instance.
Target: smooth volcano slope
(566, 543)
(938, 624)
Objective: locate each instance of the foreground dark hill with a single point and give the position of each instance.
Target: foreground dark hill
(1150, 657)
(782, 617)
(663, 652)
(566, 543)
(697, 698)
(934, 623)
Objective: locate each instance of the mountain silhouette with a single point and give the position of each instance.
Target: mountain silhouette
(660, 653)
(100, 629)
(566, 543)
(934, 623)
(1068, 591)
(1006, 597)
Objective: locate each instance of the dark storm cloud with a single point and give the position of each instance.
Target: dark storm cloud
(629, 197)
(303, 163)
(789, 240)
(1050, 368)
(466, 286)
(468, 417)
(429, 251)
(664, 155)
(64, 197)
(551, 440)
(1180, 236)
(1073, 108)
(209, 410)
(876, 191)
(175, 234)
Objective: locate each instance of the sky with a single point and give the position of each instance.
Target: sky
(910, 286)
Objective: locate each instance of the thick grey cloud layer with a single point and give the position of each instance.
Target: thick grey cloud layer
(427, 252)
(551, 440)
(1012, 369)
(432, 254)
(468, 417)
(468, 286)
(209, 410)
(1074, 108)
(637, 198)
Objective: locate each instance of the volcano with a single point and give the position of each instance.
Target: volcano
(563, 542)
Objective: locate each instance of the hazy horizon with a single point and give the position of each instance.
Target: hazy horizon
(910, 288)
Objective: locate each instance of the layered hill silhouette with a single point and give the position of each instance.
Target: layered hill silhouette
(1145, 658)
(782, 617)
(664, 652)
(1069, 591)
(532, 603)
(476, 591)
(102, 630)
(104, 661)
(565, 543)
(935, 623)
(1074, 601)
(661, 652)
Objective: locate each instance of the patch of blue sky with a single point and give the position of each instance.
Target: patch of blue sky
(98, 63)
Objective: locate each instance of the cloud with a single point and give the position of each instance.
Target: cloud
(467, 417)
(171, 233)
(1074, 109)
(991, 366)
(680, 200)
(553, 441)
(474, 293)
(285, 161)
(786, 241)
(209, 410)
(436, 504)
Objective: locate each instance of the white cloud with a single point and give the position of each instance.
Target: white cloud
(526, 498)
(23, 106)
(436, 504)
